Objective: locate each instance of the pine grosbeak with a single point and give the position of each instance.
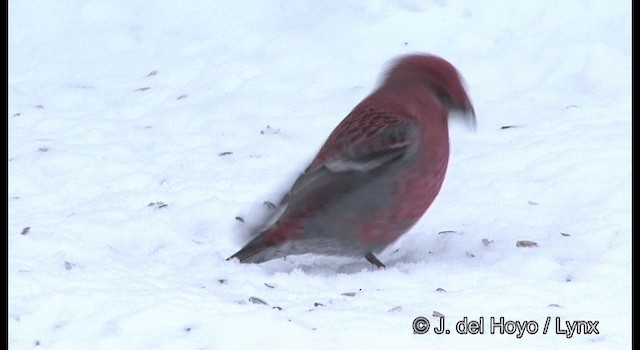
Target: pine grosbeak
(377, 173)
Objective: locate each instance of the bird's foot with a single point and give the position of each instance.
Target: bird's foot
(373, 260)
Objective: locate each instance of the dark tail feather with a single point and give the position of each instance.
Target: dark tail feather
(251, 252)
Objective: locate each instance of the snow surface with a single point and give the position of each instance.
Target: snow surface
(118, 107)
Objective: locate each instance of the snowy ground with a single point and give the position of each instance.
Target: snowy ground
(118, 107)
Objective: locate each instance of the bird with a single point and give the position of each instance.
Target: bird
(377, 173)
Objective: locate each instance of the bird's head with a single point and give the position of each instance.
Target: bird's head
(439, 76)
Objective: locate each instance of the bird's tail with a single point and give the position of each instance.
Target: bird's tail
(256, 251)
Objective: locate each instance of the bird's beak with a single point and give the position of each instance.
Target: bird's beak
(471, 117)
(466, 115)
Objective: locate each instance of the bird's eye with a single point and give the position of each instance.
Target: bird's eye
(443, 96)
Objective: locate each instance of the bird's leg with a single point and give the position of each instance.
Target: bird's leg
(372, 259)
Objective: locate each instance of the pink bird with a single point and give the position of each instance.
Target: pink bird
(377, 173)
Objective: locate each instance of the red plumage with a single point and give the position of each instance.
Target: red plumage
(377, 173)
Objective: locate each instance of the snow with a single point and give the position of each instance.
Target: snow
(121, 113)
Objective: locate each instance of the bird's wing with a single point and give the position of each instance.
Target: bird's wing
(356, 154)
